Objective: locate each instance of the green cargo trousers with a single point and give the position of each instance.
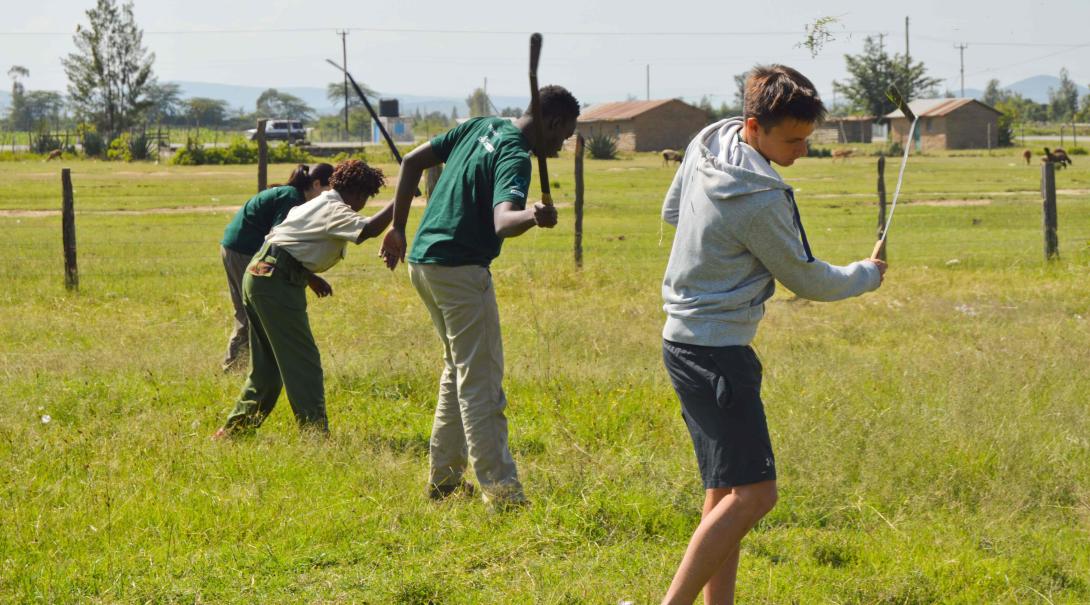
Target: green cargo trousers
(283, 354)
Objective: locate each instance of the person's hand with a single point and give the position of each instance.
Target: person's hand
(882, 266)
(319, 286)
(544, 216)
(393, 248)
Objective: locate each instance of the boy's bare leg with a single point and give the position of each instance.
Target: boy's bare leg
(714, 548)
(720, 588)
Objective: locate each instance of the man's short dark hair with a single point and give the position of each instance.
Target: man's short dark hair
(556, 102)
(776, 92)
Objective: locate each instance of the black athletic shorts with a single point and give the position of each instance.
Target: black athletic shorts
(720, 393)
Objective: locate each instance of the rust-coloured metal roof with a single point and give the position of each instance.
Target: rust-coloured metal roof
(935, 108)
(620, 110)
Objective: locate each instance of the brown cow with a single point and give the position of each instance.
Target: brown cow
(669, 155)
(1027, 155)
(54, 155)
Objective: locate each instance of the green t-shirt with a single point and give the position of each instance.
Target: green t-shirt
(247, 230)
(487, 163)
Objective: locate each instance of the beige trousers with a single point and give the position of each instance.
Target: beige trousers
(470, 426)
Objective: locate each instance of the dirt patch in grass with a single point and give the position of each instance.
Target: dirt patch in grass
(949, 202)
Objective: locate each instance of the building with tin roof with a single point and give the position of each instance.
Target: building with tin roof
(644, 125)
(948, 124)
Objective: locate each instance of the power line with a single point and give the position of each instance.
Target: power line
(471, 32)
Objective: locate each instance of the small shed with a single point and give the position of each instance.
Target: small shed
(948, 124)
(644, 125)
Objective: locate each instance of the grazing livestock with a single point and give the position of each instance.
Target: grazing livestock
(669, 155)
(1027, 155)
(842, 154)
(1057, 156)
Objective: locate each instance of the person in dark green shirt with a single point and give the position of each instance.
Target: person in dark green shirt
(246, 233)
(479, 201)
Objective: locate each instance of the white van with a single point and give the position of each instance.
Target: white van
(281, 130)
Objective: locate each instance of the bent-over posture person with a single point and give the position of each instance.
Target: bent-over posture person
(479, 201)
(311, 240)
(246, 232)
(738, 230)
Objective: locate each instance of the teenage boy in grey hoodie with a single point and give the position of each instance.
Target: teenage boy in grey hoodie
(738, 230)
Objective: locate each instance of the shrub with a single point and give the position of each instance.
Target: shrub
(190, 155)
(1076, 151)
(602, 147)
(817, 152)
(119, 149)
(895, 149)
(130, 147)
(94, 146)
(239, 151)
(44, 143)
(287, 154)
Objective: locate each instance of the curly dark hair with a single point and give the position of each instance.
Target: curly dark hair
(556, 102)
(355, 177)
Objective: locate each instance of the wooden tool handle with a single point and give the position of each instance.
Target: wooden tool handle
(878, 248)
(539, 123)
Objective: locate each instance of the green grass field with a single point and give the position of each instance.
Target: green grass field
(932, 437)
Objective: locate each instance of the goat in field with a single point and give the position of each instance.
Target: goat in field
(1027, 155)
(669, 155)
(842, 154)
(1057, 156)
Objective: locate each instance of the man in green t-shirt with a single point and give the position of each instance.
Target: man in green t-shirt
(479, 201)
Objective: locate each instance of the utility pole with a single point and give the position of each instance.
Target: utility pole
(882, 43)
(344, 62)
(648, 81)
(961, 48)
(908, 62)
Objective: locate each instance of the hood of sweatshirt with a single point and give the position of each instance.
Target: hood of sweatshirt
(730, 168)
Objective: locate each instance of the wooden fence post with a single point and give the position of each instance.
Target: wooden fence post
(432, 178)
(578, 201)
(68, 231)
(882, 204)
(262, 158)
(1048, 193)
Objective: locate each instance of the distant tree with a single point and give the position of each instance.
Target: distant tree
(1063, 102)
(873, 71)
(42, 108)
(993, 94)
(1084, 112)
(275, 104)
(164, 103)
(110, 71)
(454, 113)
(740, 89)
(479, 103)
(17, 112)
(202, 111)
(334, 93)
(511, 112)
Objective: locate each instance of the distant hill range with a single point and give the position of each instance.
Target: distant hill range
(246, 97)
(1035, 88)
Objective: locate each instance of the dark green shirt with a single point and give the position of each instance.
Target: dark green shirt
(247, 230)
(487, 163)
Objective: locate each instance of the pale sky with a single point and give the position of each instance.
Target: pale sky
(598, 49)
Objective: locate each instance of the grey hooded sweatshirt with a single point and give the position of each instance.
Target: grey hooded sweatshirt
(738, 230)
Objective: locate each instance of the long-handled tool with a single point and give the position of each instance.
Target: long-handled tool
(374, 116)
(898, 99)
(539, 124)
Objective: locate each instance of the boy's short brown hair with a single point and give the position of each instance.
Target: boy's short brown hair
(776, 92)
